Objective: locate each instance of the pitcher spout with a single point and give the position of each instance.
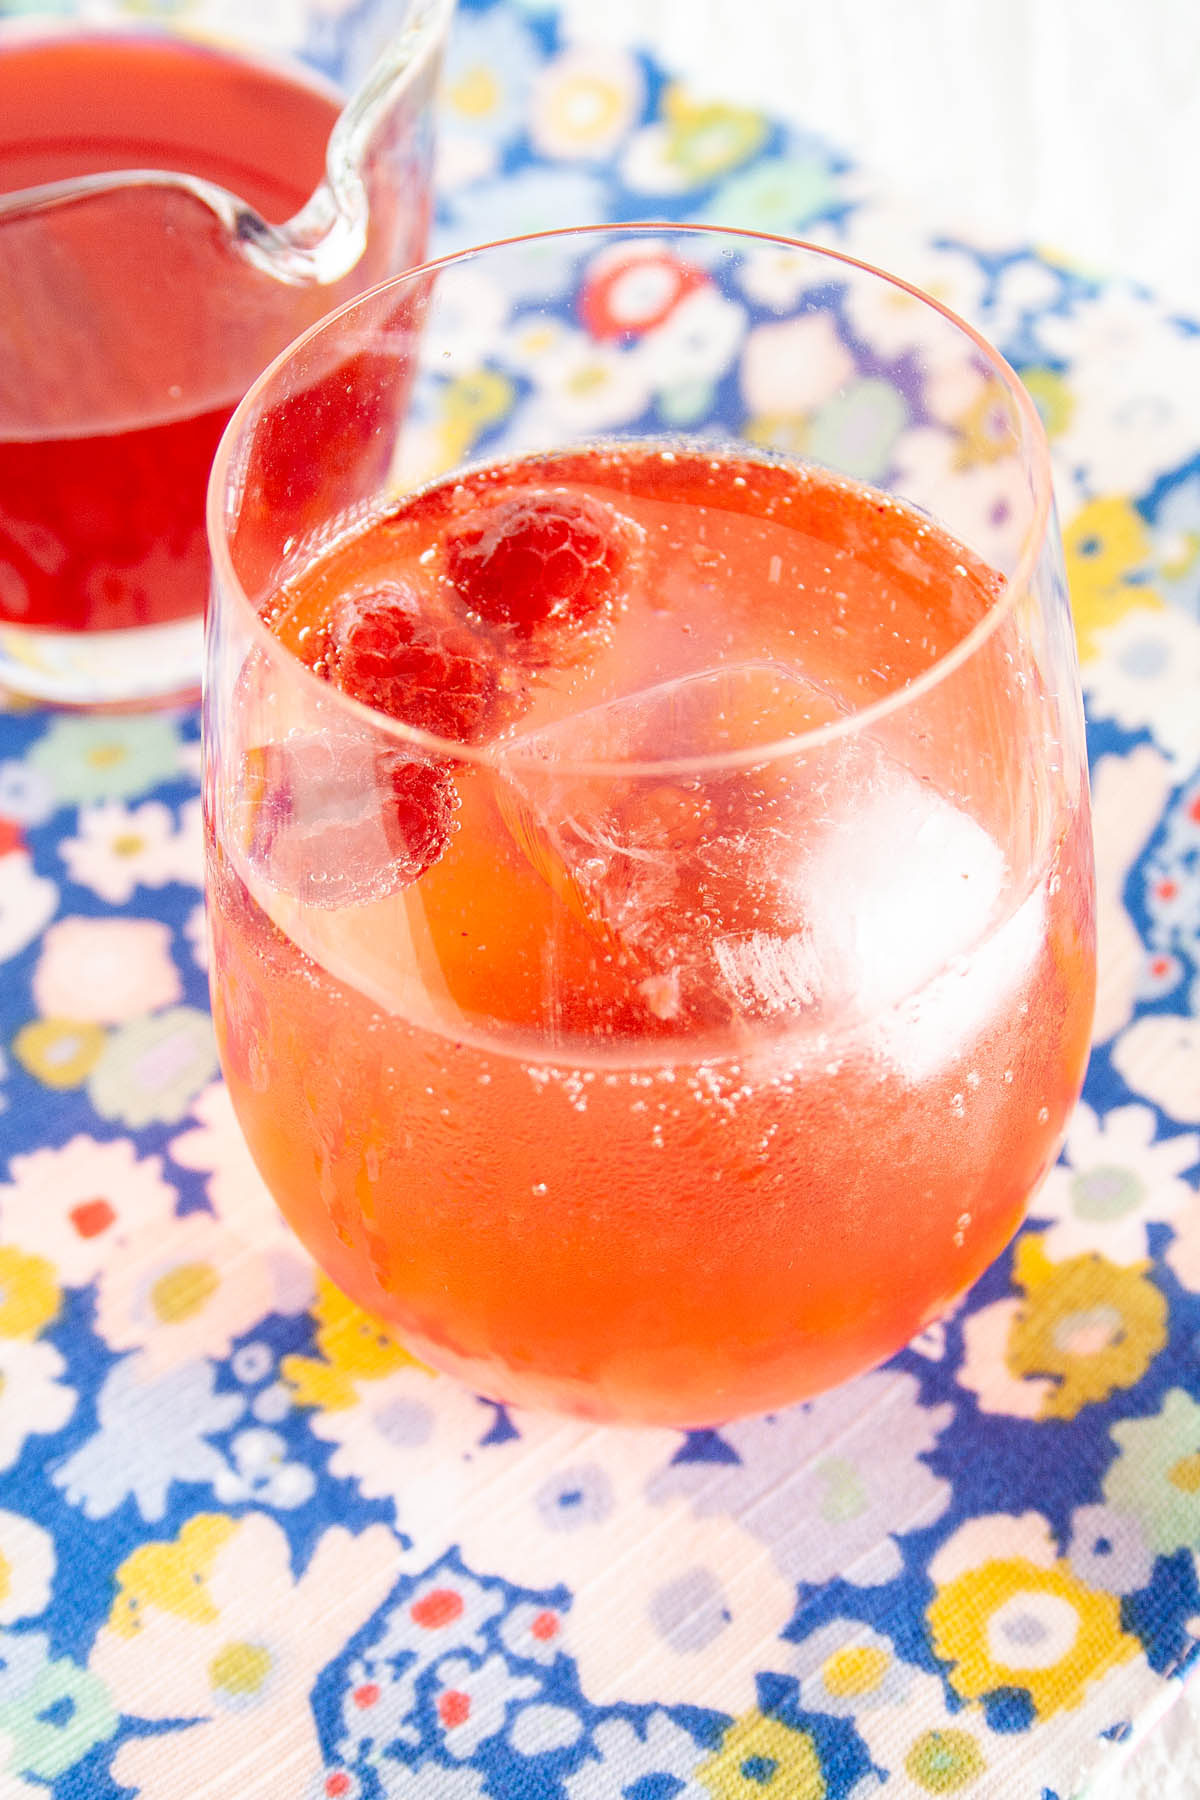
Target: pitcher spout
(369, 217)
(320, 247)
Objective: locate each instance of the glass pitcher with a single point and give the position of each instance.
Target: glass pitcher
(173, 210)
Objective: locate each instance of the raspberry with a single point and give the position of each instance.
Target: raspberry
(420, 827)
(388, 649)
(536, 559)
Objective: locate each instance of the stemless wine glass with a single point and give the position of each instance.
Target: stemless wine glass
(649, 855)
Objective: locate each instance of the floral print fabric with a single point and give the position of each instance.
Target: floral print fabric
(249, 1546)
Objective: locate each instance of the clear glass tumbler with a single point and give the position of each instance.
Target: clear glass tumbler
(649, 853)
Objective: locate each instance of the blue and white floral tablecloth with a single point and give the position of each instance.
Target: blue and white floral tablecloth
(249, 1548)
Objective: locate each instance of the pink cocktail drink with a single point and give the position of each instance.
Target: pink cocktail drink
(658, 1026)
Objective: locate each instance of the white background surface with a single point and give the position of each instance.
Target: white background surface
(1073, 125)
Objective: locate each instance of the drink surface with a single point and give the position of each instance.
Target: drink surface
(102, 528)
(635, 1064)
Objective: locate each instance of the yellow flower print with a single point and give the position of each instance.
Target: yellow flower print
(847, 1669)
(29, 1293)
(354, 1347)
(763, 1759)
(985, 428)
(1107, 549)
(237, 1664)
(1092, 1326)
(171, 1575)
(705, 139)
(1051, 394)
(470, 404)
(60, 1053)
(476, 95)
(786, 432)
(944, 1762)
(584, 102)
(239, 1669)
(1012, 1623)
(583, 111)
(856, 1670)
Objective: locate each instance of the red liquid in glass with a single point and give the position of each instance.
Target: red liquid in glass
(573, 1104)
(104, 528)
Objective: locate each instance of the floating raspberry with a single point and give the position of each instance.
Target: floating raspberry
(538, 558)
(388, 649)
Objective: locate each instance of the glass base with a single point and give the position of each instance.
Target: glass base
(143, 665)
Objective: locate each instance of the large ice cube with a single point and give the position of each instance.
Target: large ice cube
(714, 712)
(896, 884)
(825, 882)
(661, 861)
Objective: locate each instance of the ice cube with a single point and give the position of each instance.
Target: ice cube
(673, 869)
(827, 883)
(897, 884)
(767, 972)
(333, 820)
(710, 713)
(934, 1025)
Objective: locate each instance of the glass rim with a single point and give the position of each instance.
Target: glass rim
(504, 752)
